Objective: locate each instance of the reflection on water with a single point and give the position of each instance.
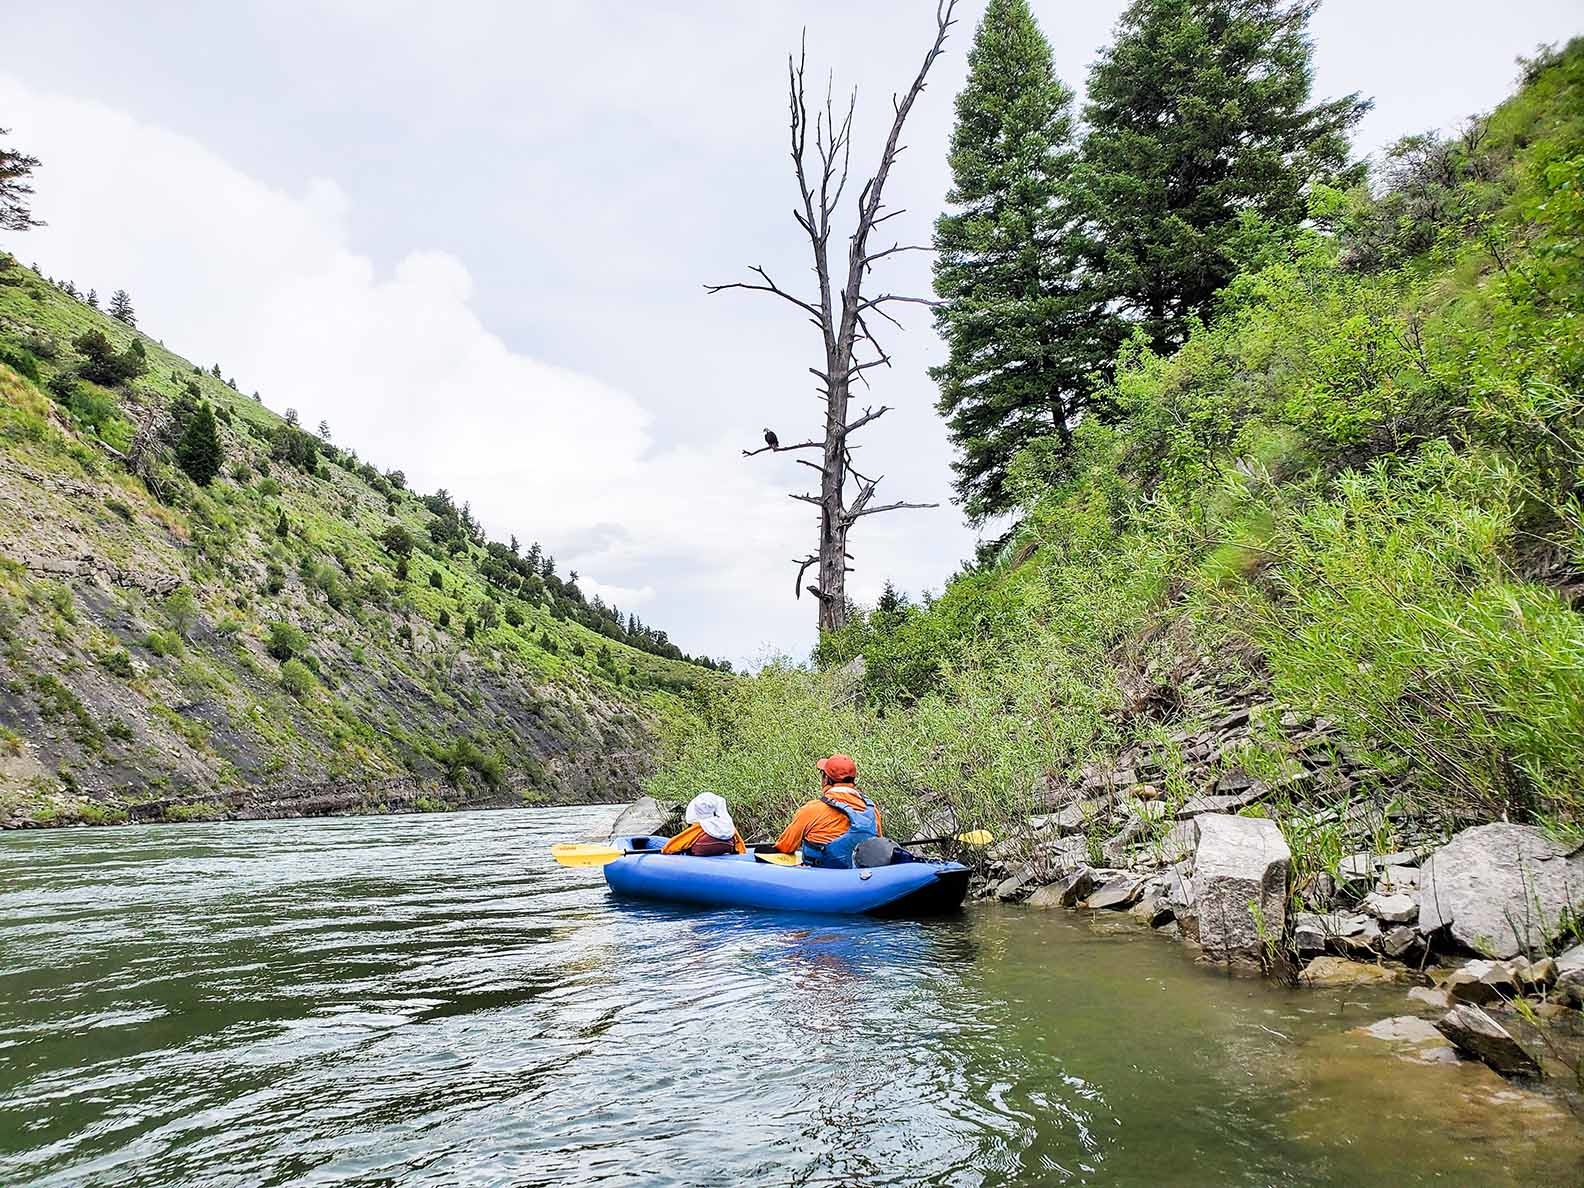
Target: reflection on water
(429, 1000)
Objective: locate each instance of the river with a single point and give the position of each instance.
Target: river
(431, 1000)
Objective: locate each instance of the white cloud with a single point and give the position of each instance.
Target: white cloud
(399, 363)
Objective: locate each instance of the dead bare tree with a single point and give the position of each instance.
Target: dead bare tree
(842, 316)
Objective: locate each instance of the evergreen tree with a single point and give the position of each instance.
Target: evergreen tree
(15, 193)
(1024, 334)
(121, 308)
(92, 298)
(282, 528)
(1202, 139)
(198, 452)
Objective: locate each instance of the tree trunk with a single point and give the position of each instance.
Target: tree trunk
(841, 329)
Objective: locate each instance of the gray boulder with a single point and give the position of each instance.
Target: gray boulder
(1481, 981)
(1471, 1030)
(1046, 897)
(1240, 861)
(1400, 941)
(1119, 892)
(646, 815)
(1501, 888)
(1393, 909)
(1569, 984)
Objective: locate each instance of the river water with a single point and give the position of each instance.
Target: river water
(430, 1000)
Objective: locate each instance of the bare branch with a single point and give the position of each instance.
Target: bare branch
(894, 249)
(866, 418)
(875, 302)
(768, 287)
(885, 507)
(814, 499)
(802, 445)
(803, 565)
(812, 465)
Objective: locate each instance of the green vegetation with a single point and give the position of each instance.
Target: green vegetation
(323, 575)
(1356, 485)
(199, 453)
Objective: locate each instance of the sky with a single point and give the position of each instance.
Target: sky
(474, 237)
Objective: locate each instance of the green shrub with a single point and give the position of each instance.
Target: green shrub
(297, 678)
(435, 580)
(285, 641)
(20, 361)
(181, 608)
(274, 578)
(398, 542)
(462, 755)
(117, 662)
(164, 643)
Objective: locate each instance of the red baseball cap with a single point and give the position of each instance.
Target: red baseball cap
(840, 768)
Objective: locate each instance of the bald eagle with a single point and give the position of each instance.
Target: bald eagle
(772, 440)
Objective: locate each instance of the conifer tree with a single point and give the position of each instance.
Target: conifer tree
(1201, 136)
(198, 452)
(282, 528)
(15, 192)
(121, 307)
(1023, 331)
(92, 298)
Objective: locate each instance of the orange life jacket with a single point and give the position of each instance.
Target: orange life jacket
(819, 823)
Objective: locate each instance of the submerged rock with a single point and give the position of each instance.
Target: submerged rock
(1431, 997)
(1339, 971)
(1240, 884)
(1503, 889)
(1413, 1037)
(1471, 1030)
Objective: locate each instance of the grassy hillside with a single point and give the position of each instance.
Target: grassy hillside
(1353, 494)
(175, 649)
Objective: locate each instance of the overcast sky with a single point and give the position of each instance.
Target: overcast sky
(473, 236)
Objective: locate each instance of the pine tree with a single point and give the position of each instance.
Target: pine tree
(1024, 334)
(282, 528)
(1201, 139)
(121, 307)
(198, 452)
(92, 298)
(15, 193)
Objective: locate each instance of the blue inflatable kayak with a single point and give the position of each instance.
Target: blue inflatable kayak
(741, 881)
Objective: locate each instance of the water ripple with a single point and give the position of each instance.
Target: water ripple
(430, 1000)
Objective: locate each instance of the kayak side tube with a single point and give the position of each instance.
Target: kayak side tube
(738, 881)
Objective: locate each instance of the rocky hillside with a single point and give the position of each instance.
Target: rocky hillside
(207, 611)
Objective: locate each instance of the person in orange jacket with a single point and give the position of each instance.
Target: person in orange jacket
(827, 831)
(710, 831)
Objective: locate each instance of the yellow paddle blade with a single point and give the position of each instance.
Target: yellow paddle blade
(584, 853)
(976, 837)
(779, 859)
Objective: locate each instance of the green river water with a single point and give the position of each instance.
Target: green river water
(430, 1000)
